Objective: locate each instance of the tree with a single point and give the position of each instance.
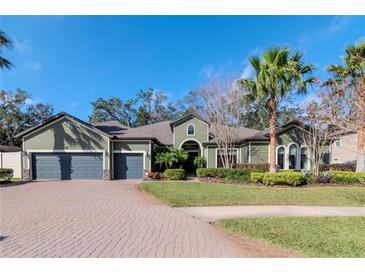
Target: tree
(190, 103)
(113, 109)
(170, 156)
(317, 132)
(4, 42)
(277, 73)
(346, 96)
(16, 114)
(223, 109)
(146, 108)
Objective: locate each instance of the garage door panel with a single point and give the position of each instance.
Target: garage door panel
(67, 166)
(128, 166)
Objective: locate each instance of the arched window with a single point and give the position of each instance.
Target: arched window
(281, 157)
(304, 158)
(293, 151)
(191, 129)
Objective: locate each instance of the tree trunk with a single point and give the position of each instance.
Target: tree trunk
(360, 163)
(272, 111)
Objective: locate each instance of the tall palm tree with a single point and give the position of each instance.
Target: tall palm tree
(277, 73)
(4, 42)
(348, 81)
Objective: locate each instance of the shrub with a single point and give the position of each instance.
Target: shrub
(338, 167)
(199, 162)
(256, 167)
(174, 174)
(6, 173)
(241, 175)
(211, 172)
(257, 177)
(347, 177)
(154, 175)
(324, 178)
(286, 177)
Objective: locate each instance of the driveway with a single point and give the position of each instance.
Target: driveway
(108, 219)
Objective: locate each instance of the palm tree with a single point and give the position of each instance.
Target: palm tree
(348, 81)
(4, 42)
(277, 73)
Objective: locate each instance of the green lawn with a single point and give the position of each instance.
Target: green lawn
(180, 194)
(311, 236)
(12, 180)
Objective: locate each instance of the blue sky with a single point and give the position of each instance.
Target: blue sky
(70, 61)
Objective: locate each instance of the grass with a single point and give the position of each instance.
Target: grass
(12, 180)
(311, 236)
(179, 194)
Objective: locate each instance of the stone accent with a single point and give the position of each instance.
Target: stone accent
(26, 174)
(107, 174)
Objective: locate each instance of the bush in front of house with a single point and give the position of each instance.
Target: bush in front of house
(199, 162)
(174, 174)
(211, 172)
(257, 177)
(291, 178)
(241, 175)
(255, 167)
(338, 167)
(346, 177)
(6, 173)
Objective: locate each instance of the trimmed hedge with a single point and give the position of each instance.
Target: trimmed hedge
(227, 173)
(347, 177)
(174, 174)
(241, 175)
(6, 173)
(337, 167)
(211, 172)
(256, 167)
(278, 178)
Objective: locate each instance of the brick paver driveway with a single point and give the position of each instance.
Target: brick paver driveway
(107, 219)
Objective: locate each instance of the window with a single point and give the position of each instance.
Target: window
(338, 143)
(280, 157)
(336, 160)
(232, 157)
(304, 158)
(191, 130)
(293, 156)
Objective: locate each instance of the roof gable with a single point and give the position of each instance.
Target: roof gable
(186, 118)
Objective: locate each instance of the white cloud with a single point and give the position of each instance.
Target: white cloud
(247, 72)
(74, 104)
(338, 23)
(22, 46)
(33, 66)
(207, 71)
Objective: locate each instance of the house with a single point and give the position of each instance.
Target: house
(343, 147)
(65, 147)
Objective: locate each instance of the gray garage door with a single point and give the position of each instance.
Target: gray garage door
(67, 166)
(128, 166)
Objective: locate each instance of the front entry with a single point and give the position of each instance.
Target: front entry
(193, 150)
(128, 166)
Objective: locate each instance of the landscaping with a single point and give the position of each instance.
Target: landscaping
(311, 236)
(181, 194)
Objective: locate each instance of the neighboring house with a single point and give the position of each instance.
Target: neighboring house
(65, 147)
(343, 148)
(10, 157)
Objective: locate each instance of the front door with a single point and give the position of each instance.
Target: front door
(189, 166)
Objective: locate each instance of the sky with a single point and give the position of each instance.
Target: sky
(69, 61)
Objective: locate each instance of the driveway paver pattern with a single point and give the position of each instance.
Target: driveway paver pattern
(108, 219)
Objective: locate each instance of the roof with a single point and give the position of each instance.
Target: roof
(57, 116)
(111, 127)
(9, 148)
(160, 131)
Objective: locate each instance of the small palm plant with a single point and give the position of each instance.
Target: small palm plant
(170, 157)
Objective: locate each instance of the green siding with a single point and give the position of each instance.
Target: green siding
(135, 146)
(244, 154)
(259, 152)
(65, 135)
(211, 156)
(291, 135)
(180, 132)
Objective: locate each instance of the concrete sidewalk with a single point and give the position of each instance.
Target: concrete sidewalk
(214, 213)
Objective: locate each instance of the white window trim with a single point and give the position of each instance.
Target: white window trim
(276, 157)
(297, 164)
(187, 130)
(338, 140)
(216, 155)
(195, 140)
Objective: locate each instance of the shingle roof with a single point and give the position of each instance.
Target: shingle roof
(9, 148)
(160, 131)
(111, 127)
